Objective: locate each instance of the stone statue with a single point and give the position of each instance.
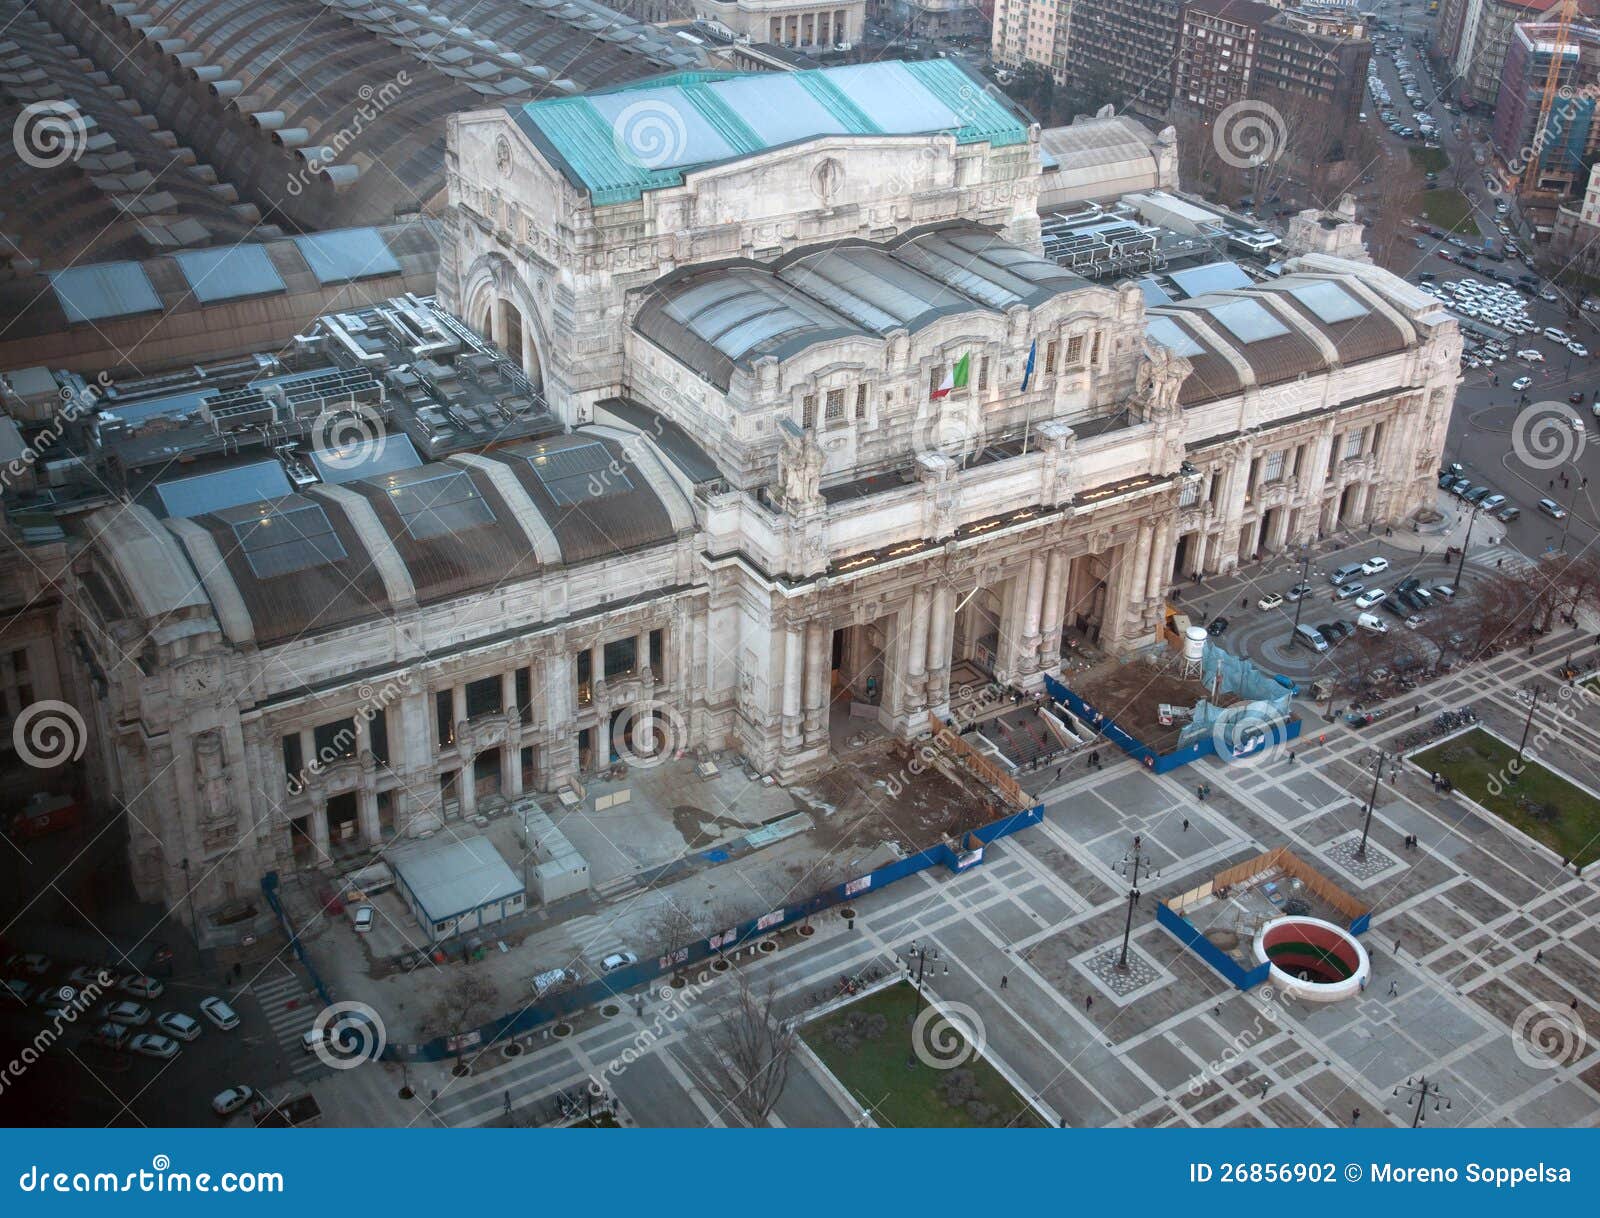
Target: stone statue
(211, 785)
(1161, 375)
(800, 471)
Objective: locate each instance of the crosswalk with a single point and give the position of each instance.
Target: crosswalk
(290, 1009)
(1502, 558)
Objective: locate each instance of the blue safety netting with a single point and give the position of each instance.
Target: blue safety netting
(1260, 718)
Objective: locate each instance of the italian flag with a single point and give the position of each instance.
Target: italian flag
(955, 377)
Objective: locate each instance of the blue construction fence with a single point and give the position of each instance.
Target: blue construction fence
(554, 1007)
(1189, 935)
(269, 886)
(1158, 763)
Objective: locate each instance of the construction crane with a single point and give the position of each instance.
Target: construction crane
(1552, 86)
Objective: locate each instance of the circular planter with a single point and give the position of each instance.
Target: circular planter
(767, 945)
(561, 1031)
(679, 981)
(513, 1049)
(847, 912)
(461, 1070)
(807, 931)
(611, 1010)
(721, 966)
(406, 1093)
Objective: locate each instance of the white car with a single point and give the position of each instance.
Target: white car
(617, 960)
(226, 1103)
(1521, 383)
(152, 1045)
(1578, 349)
(129, 1014)
(363, 919)
(219, 1013)
(1370, 597)
(142, 987)
(1270, 601)
(28, 962)
(1372, 623)
(1373, 565)
(1556, 336)
(178, 1025)
(1531, 356)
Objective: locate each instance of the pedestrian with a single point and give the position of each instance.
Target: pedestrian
(1186, 824)
(1291, 755)
(508, 1101)
(1573, 1004)
(1397, 947)
(1394, 989)
(1088, 1002)
(1244, 602)
(1003, 980)
(1498, 563)
(1355, 1115)
(1538, 956)
(1265, 1087)
(1363, 985)
(1416, 710)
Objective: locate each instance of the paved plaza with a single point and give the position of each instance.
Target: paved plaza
(1480, 941)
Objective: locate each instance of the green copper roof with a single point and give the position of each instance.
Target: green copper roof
(619, 143)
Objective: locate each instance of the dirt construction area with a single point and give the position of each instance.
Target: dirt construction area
(1131, 693)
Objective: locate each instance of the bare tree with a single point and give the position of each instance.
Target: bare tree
(1564, 583)
(750, 1051)
(470, 1001)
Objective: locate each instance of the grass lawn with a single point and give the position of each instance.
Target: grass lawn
(1448, 209)
(1429, 160)
(1478, 764)
(866, 1045)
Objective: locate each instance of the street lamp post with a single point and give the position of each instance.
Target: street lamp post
(1372, 799)
(918, 957)
(1527, 723)
(1131, 862)
(1461, 562)
(1418, 1093)
(194, 918)
(1300, 601)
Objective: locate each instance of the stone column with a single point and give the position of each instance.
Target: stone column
(319, 832)
(1033, 609)
(367, 813)
(941, 624)
(1050, 622)
(555, 686)
(816, 680)
(1160, 561)
(793, 679)
(916, 666)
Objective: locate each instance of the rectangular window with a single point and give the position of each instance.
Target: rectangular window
(835, 406)
(983, 373)
(1189, 495)
(293, 756)
(1050, 357)
(1274, 466)
(444, 718)
(334, 740)
(621, 656)
(483, 697)
(525, 694)
(1255, 472)
(1074, 351)
(378, 736)
(585, 668)
(808, 411)
(861, 403)
(935, 379)
(1353, 442)
(1094, 351)
(658, 645)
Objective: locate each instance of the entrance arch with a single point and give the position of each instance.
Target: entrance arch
(498, 302)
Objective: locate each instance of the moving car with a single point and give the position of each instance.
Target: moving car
(617, 960)
(1218, 625)
(1374, 565)
(226, 1103)
(1353, 588)
(1298, 592)
(1521, 383)
(219, 1013)
(1531, 356)
(1552, 509)
(1270, 601)
(1342, 574)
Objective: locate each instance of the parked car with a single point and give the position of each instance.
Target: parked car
(111, 1035)
(1353, 588)
(178, 1025)
(219, 1013)
(130, 1014)
(28, 962)
(142, 987)
(1270, 601)
(1374, 565)
(1492, 502)
(1373, 623)
(1344, 574)
(1298, 592)
(1448, 591)
(617, 960)
(226, 1103)
(363, 919)
(1531, 356)
(151, 1045)
(1370, 597)
(1334, 631)
(1218, 625)
(1477, 494)
(1508, 513)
